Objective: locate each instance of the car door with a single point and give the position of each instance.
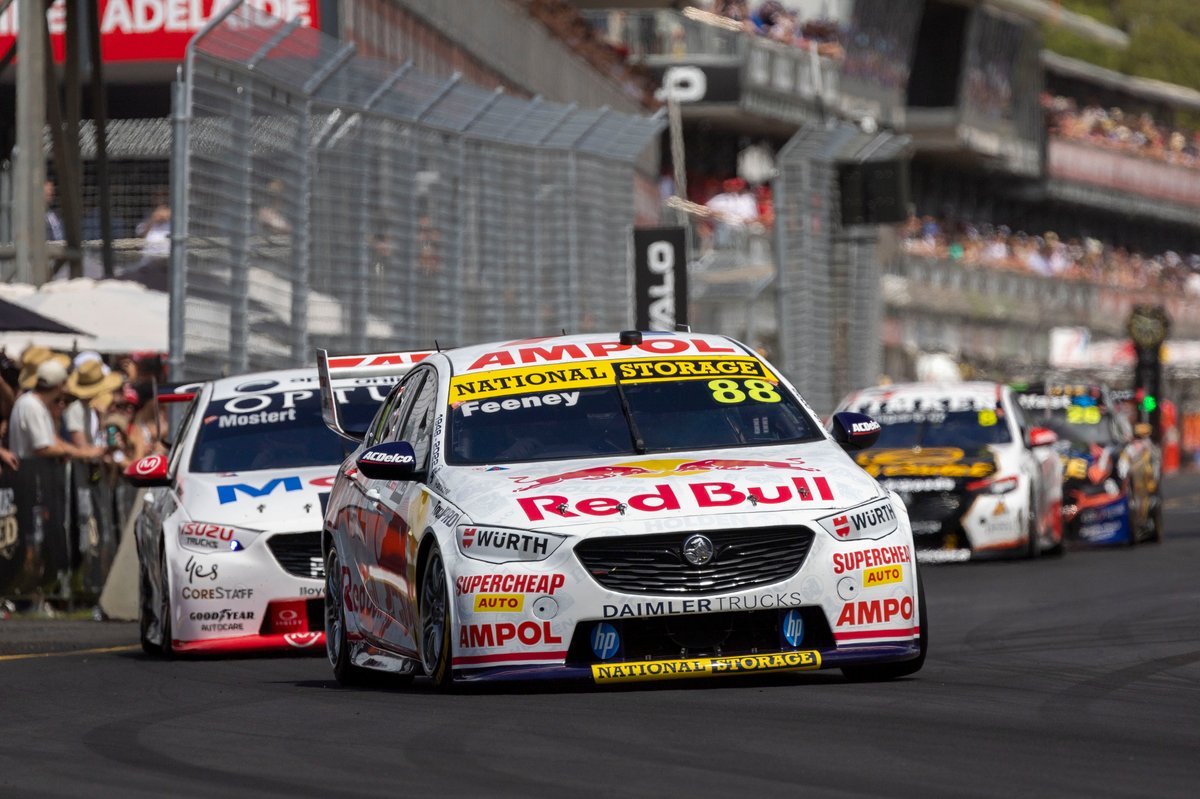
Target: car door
(361, 519)
(1042, 466)
(160, 503)
(399, 503)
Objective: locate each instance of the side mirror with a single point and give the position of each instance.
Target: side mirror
(1042, 437)
(148, 472)
(854, 431)
(1143, 430)
(394, 460)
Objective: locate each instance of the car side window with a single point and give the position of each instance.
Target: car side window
(386, 416)
(181, 436)
(418, 425)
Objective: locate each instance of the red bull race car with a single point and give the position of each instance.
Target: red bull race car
(612, 508)
(1111, 469)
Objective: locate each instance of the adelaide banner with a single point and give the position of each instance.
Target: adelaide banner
(152, 30)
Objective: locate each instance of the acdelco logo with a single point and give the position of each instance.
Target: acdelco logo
(387, 457)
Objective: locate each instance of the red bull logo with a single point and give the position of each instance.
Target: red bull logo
(659, 469)
(663, 497)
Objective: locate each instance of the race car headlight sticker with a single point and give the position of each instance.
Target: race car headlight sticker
(213, 538)
(871, 520)
(504, 545)
(1001, 486)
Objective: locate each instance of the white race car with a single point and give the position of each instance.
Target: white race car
(979, 480)
(613, 508)
(228, 536)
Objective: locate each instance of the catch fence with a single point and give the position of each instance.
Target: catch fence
(344, 202)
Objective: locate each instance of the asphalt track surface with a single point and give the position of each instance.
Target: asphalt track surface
(1077, 676)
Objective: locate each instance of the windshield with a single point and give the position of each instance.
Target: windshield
(1082, 423)
(674, 404)
(283, 430)
(967, 430)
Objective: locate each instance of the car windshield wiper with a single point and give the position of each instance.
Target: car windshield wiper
(639, 444)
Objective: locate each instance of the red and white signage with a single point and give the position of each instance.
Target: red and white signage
(156, 30)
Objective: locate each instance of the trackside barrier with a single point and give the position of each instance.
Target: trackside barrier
(59, 529)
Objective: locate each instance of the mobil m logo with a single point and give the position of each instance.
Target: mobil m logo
(660, 277)
(229, 493)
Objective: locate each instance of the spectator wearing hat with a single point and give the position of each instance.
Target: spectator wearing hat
(32, 429)
(34, 357)
(90, 380)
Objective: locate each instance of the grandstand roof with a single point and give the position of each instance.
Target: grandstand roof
(1156, 90)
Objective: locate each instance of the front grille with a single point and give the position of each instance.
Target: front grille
(298, 553)
(701, 635)
(654, 564)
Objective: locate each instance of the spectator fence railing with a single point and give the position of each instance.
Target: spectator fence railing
(340, 201)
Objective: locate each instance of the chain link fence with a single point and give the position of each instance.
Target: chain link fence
(340, 201)
(830, 300)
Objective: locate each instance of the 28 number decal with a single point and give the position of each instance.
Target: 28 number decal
(729, 392)
(1083, 414)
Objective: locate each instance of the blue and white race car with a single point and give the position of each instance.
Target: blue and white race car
(612, 508)
(228, 536)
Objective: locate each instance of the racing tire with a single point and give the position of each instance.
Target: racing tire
(434, 610)
(166, 649)
(1156, 523)
(337, 647)
(144, 613)
(1034, 550)
(883, 672)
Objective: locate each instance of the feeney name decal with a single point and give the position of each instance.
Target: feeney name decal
(867, 558)
(663, 497)
(599, 349)
(703, 667)
(875, 611)
(528, 633)
(509, 583)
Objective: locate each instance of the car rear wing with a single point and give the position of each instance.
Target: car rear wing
(331, 368)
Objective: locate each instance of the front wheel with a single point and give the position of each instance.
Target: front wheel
(336, 645)
(1031, 528)
(435, 622)
(890, 671)
(166, 649)
(146, 612)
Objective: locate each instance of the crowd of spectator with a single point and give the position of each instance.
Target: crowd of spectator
(81, 408)
(773, 21)
(1137, 134)
(1049, 255)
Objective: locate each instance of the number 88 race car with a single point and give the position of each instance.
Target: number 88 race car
(611, 508)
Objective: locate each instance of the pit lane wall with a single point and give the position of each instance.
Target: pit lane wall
(341, 201)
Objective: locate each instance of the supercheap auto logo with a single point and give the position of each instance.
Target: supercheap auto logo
(923, 462)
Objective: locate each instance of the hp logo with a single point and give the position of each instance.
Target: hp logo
(605, 641)
(793, 627)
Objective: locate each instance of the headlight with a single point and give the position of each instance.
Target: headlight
(504, 545)
(994, 486)
(214, 538)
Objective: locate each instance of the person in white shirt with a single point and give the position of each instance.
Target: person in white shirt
(31, 428)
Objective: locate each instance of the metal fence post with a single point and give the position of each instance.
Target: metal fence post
(177, 277)
(241, 212)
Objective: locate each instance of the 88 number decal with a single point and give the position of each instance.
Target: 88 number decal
(733, 392)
